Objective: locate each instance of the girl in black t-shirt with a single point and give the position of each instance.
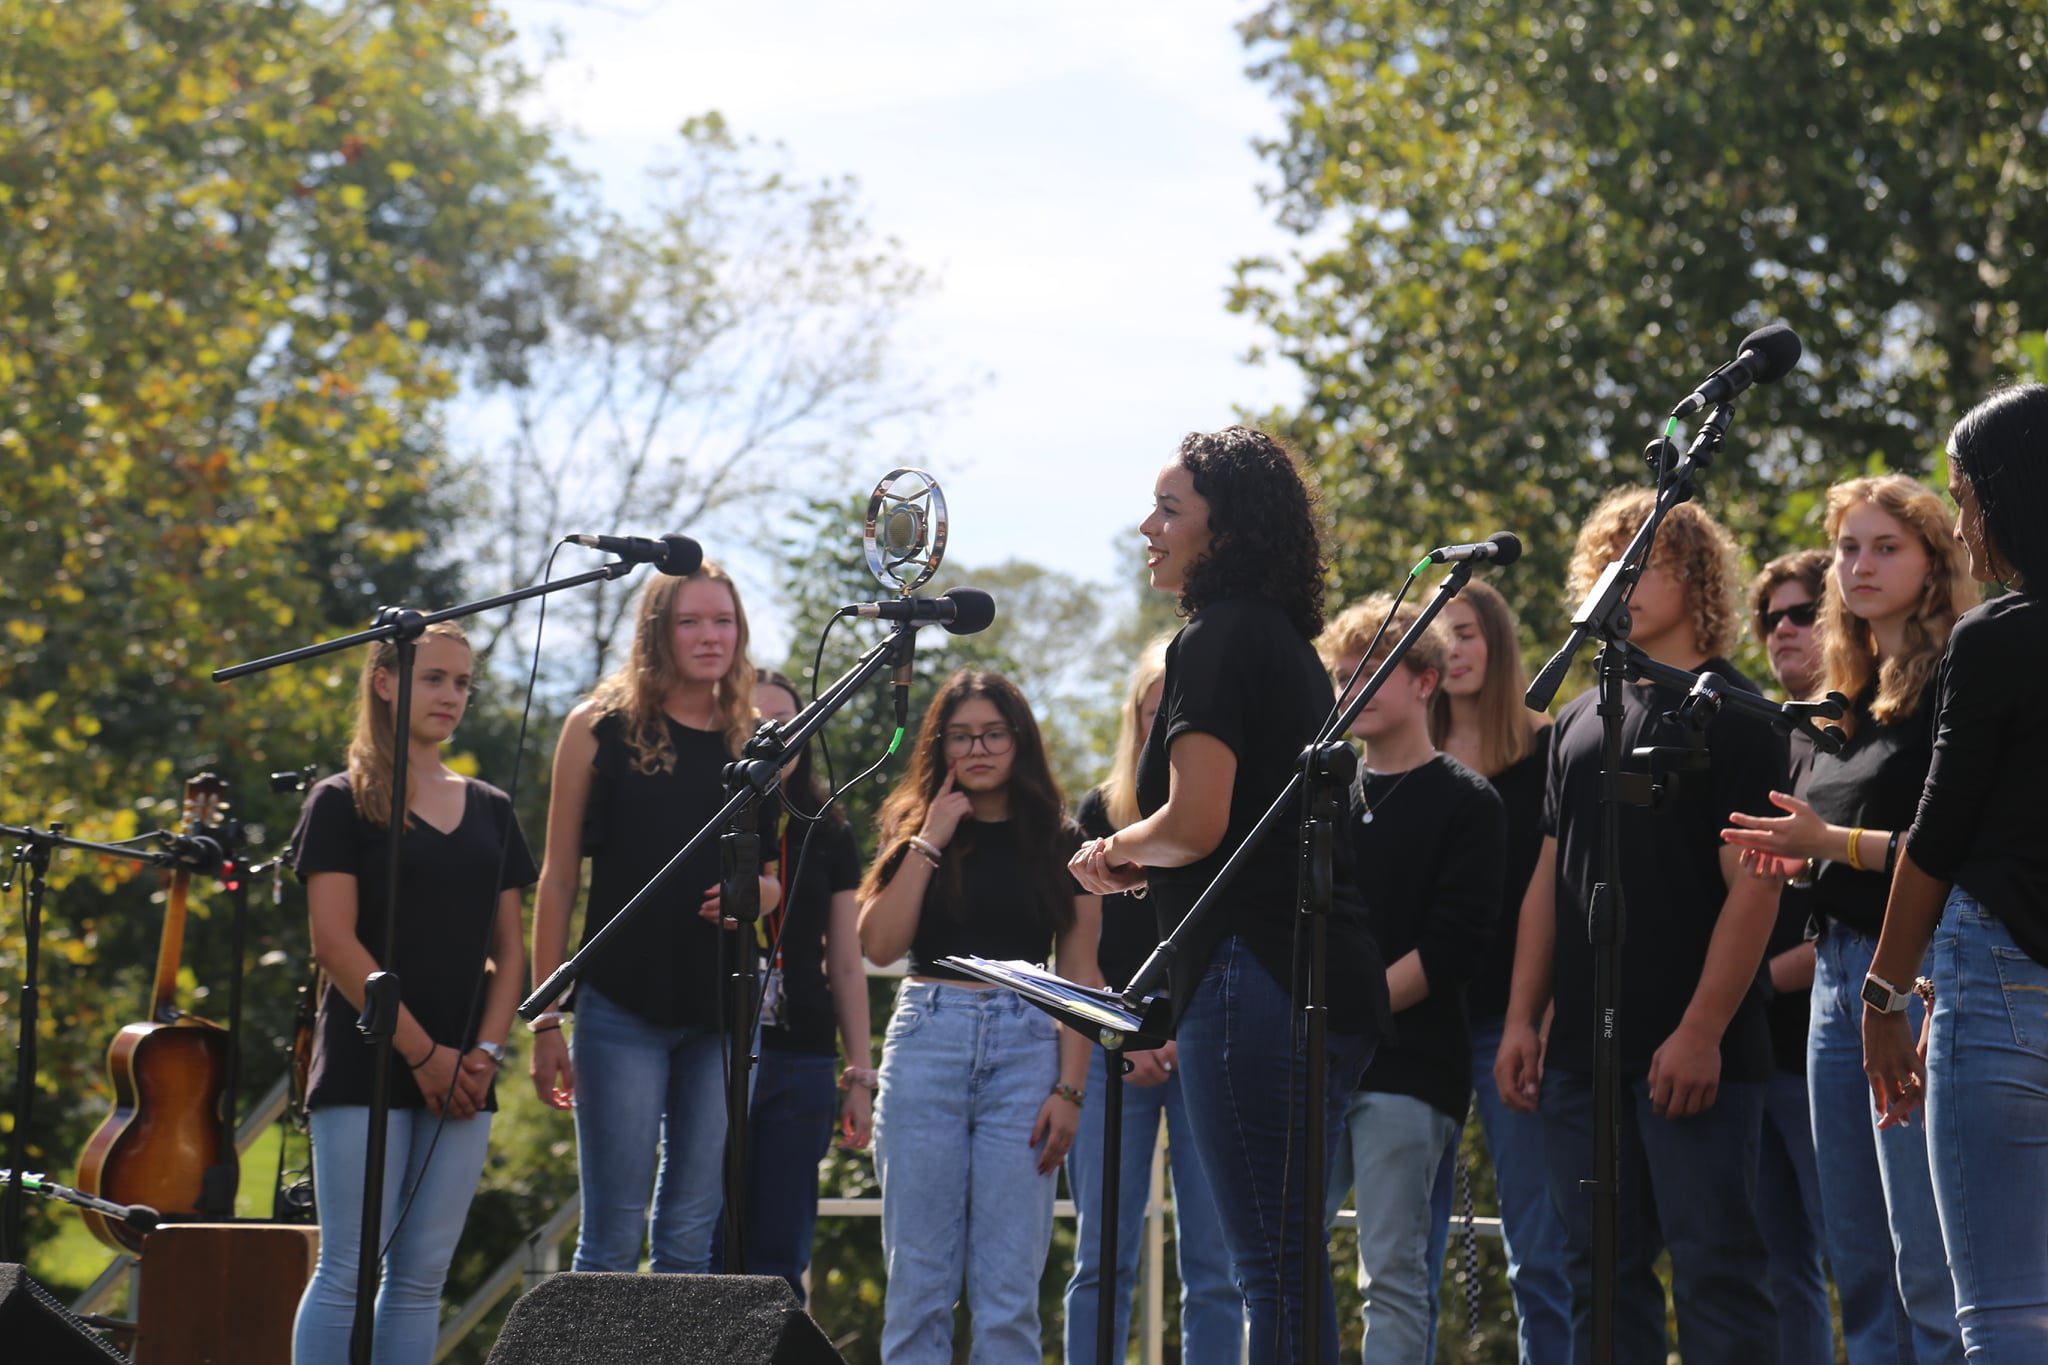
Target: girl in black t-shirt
(637, 773)
(980, 1093)
(457, 958)
(1477, 717)
(1898, 582)
(814, 978)
(1211, 1309)
(1232, 534)
(1973, 881)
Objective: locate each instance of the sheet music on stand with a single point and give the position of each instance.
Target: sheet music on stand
(1084, 1008)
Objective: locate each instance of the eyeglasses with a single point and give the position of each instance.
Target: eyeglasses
(1801, 616)
(997, 739)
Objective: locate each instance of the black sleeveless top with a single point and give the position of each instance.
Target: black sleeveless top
(664, 964)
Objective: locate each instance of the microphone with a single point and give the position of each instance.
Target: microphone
(195, 852)
(1502, 547)
(962, 611)
(1767, 355)
(674, 555)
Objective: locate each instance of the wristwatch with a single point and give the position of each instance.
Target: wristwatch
(494, 1051)
(1882, 996)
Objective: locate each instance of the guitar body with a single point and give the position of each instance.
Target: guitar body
(169, 1142)
(166, 1144)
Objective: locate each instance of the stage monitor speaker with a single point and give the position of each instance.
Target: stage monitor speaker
(607, 1319)
(34, 1326)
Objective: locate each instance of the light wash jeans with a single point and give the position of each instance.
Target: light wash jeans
(1244, 1080)
(1393, 1151)
(1987, 1131)
(650, 1119)
(1211, 1309)
(1898, 1300)
(1530, 1228)
(409, 1296)
(965, 1072)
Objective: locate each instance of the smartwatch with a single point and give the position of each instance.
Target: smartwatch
(1882, 996)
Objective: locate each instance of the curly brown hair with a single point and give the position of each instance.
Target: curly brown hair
(1263, 537)
(1807, 568)
(1691, 546)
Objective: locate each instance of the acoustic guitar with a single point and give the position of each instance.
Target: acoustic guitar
(168, 1143)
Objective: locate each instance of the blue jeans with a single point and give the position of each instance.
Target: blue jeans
(1987, 1114)
(650, 1118)
(1241, 1064)
(1530, 1228)
(409, 1297)
(1788, 1215)
(1686, 1184)
(1898, 1300)
(1397, 1155)
(965, 1072)
(795, 1105)
(1211, 1310)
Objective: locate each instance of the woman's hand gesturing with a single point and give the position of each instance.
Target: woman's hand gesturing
(948, 809)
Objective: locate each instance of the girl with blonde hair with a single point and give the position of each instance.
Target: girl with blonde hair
(462, 864)
(1898, 583)
(1211, 1310)
(637, 772)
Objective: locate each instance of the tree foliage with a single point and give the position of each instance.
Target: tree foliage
(243, 249)
(1526, 230)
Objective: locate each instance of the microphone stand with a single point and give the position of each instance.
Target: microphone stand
(748, 780)
(1327, 767)
(33, 853)
(1605, 614)
(378, 1021)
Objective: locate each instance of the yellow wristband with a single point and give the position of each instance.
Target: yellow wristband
(1855, 854)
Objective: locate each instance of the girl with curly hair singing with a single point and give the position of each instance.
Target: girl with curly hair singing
(1233, 535)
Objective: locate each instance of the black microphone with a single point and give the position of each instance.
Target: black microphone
(1502, 547)
(962, 611)
(676, 556)
(195, 852)
(1766, 356)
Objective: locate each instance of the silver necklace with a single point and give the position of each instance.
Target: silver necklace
(1358, 789)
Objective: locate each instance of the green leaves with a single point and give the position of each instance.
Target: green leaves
(1526, 230)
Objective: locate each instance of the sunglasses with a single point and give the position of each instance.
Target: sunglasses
(1801, 616)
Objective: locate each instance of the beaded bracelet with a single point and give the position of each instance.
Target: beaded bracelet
(1068, 1093)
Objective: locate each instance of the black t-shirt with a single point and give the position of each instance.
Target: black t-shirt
(1979, 822)
(450, 884)
(1670, 870)
(1874, 783)
(664, 964)
(831, 865)
(1429, 844)
(1129, 930)
(1788, 1014)
(1520, 787)
(1239, 672)
(998, 911)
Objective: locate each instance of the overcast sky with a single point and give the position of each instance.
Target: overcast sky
(1079, 177)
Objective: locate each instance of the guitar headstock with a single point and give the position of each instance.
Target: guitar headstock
(206, 802)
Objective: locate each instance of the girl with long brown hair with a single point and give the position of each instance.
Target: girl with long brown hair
(981, 1093)
(462, 864)
(637, 772)
(1899, 582)
(1477, 717)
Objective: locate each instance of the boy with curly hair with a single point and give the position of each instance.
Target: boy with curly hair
(1694, 1050)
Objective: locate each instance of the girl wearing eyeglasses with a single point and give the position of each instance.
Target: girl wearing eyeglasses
(980, 1093)
(1899, 581)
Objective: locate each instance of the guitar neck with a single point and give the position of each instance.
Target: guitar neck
(163, 993)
